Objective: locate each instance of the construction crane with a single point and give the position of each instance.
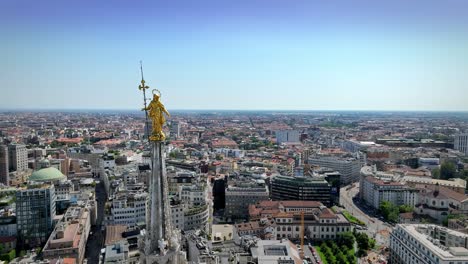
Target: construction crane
(301, 252)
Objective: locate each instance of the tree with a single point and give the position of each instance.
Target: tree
(436, 173)
(362, 241)
(351, 257)
(346, 239)
(448, 170)
(173, 154)
(405, 208)
(340, 257)
(389, 211)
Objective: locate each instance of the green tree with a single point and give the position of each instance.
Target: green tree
(173, 154)
(351, 257)
(389, 211)
(436, 173)
(405, 208)
(362, 241)
(448, 170)
(340, 257)
(346, 239)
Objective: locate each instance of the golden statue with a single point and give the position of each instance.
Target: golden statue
(156, 113)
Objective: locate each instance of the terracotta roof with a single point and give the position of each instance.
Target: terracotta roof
(283, 214)
(114, 233)
(327, 213)
(444, 193)
(409, 215)
(301, 203)
(383, 183)
(7, 239)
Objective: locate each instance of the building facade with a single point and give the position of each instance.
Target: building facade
(320, 223)
(129, 208)
(35, 211)
(4, 175)
(68, 240)
(348, 168)
(461, 143)
(287, 136)
(377, 187)
(301, 188)
(17, 157)
(239, 198)
(429, 244)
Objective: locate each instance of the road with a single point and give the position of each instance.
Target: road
(376, 228)
(96, 239)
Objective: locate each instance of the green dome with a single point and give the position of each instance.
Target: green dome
(47, 174)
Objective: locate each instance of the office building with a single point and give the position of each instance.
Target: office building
(461, 143)
(8, 224)
(239, 197)
(301, 188)
(287, 136)
(175, 129)
(17, 157)
(422, 243)
(129, 208)
(35, 211)
(4, 175)
(348, 167)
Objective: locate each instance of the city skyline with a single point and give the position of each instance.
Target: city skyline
(246, 55)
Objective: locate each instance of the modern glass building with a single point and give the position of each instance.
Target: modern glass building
(301, 188)
(35, 211)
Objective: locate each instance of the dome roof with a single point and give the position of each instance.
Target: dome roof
(47, 174)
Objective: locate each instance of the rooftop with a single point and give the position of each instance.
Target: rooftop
(46, 175)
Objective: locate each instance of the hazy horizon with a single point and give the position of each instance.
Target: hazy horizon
(244, 55)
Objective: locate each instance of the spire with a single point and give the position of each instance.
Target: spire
(143, 87)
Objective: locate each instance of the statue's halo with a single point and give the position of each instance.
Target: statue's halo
(156, 90)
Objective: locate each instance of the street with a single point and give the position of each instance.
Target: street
(96, 239)
(376, 229)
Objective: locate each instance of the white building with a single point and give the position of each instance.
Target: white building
(275, 251)
(175, 129)
(461, 143)
(427, 244)
(193, 195)
(18, 157)
(287, 136)
(177, 215)
(232, 153)
(116, 253)
(356, 146)
(193, 212)
(348, 168)
(129, 208)
(377, 187)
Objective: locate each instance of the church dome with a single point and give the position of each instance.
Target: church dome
(47, 174)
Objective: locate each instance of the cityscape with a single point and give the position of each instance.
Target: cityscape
(239, 133)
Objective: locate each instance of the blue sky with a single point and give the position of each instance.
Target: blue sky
(271, 54)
